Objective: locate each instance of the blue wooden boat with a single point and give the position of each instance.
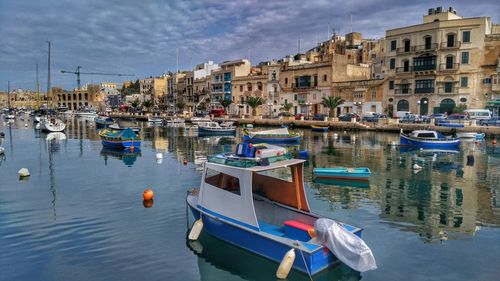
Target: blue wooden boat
(281, 135)
(343, 173)
(103, 122)
(246, 204)
(315, 128)
(125, 139)
(427, 139)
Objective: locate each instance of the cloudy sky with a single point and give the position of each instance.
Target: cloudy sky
(141, 37)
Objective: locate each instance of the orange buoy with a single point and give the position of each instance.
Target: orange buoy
(185, 162)
(147, 203)
(148, 194)
(494, 142)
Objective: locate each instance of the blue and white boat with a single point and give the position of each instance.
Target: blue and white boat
(214, 128)
(427, 139)
(315, 128)
(125, 139)
(343, 173)
(255, 199)
(103, 122)
(281, 135)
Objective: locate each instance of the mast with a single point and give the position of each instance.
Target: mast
(49, 91)
(37, 86)
(8, 93)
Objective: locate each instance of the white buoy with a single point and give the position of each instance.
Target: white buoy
(25, 125)
(24, 172)
(196, 230)
(335, 136)
(2, 150)
(159, 155)
(416, 167)
(286, 264)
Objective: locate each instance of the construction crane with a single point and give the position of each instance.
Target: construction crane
(78, 72)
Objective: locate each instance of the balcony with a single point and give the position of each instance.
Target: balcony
(426, 48)
(404, 91)
(450, 45)
(448, 90)
(407, 69)
(405, 50)
(449, 66)
(425, 67)
(302, 86)
(424, 90)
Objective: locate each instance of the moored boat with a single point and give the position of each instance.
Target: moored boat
(343, 173)
(214, 128)
(52, 124)
(90, 115)
(319, 128)
(470, 135)
(103, 121)
(119, 127)
(155, 119)
(260, 204)
(427, 139)
(275, 135)
(124, 139)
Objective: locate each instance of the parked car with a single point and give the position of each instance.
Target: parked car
(494, 121)
(319, 117)
(217, 112)
(409, 118)
(348, 117)
(299, 116)
(439, 116)
(373, 117)
(284, 114)
(457, 116)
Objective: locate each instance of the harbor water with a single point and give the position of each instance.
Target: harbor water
(80, 215)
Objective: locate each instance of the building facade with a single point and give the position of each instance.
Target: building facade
(221, 86)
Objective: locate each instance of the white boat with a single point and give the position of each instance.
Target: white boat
(215, 128)
(470, 135)
(52, 124)
(55, 136)
(68, 113)
(2, 150)
(10, 116)
(175, 121)
(155, 119)
(90, 115)
(37, 118)
(198, 120)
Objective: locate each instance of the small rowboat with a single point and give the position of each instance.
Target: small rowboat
(103, 121)
(343, 173)
(277, 135)
(120, 139)
(319, 128)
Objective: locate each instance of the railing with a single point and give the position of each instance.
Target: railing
(405, 91)
(449, 66)
(402, 50)
(448, 91)
(426, 48)
(404, 69)
(302, 85)
(451, 44)
(424, 67)
(424, 90)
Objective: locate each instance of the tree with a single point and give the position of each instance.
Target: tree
(147, 103)
(332, 103)
(136, 103)
(460, 108)
(286, 107)
(225, 103)
(180, 105)
(254, 102)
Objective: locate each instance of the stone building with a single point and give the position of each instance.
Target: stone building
(220, 85)
(88, 97)
(253, 85)
(20, 98)
(436, 66)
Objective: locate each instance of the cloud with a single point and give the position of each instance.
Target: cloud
(125, 36)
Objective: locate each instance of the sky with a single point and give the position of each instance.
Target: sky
(142, 37)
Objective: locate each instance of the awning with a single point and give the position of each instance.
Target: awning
(493, 102)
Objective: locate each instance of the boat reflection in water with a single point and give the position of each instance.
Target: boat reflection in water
(218, 260)
(342, 182)
(126, 155)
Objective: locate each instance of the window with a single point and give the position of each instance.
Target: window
(448, 87)
(223, 181)
(449, 62)
(424, 86)
(324, 78)
(394, 44)
(241, 88)
(465, 57)
(391, 85)
(466, 36)
(487, 80)
(249, 86)
(286, 81)
(294, 97)
(428, 42)
(259, 86)
(464, 82)
(392, 64)
(374, 94)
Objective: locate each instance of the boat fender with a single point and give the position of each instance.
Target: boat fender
(195, 231)
(416, 167)
(24, 172)
(286, 264)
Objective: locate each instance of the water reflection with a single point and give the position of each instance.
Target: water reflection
(127, 156)
(227, 262)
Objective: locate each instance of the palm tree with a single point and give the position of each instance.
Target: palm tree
(180, 105)
(332, 103)
(287, 107)
(225, 103)
(254, 102)
(136, 103)
(147, 103)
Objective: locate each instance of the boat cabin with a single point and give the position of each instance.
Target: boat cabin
(425, 134)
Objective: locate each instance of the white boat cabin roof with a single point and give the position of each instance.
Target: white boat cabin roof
(425, 134)
(274, 165)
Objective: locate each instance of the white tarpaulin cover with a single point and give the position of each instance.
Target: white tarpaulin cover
(345, 245)
(280, 131)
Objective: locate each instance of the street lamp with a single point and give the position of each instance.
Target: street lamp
(270, 109)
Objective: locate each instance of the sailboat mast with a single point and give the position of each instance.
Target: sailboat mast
(49, 91)
(37, 86)
(8, 93)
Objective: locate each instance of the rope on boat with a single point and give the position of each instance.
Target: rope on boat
(304, 260)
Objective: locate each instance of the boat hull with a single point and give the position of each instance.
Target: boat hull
(361, 174)
(428, 143)
(283, 139)
(120, 144)
(319, 129)
(209, 131)
(47, 126)
(252, 241)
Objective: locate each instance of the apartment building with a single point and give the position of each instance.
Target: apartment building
(253, 85)
(221, 81)
(436, 66)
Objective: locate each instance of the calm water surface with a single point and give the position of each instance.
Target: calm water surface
(80, 215)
